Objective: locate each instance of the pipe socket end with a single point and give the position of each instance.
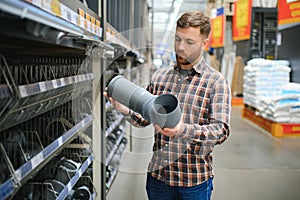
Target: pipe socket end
(165, 111)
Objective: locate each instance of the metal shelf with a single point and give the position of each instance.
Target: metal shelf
(24, 173)
(113, 151)
(29, 167)
(112, 177)
(64, 193)
(113, 174)
(25, 100)
(36, 88)
(114, 125)
(23, 109)
(25, 10)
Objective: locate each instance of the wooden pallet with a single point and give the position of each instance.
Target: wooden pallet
(276, 129)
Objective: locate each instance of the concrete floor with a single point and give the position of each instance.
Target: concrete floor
(250, 165)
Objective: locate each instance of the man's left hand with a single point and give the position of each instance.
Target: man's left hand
(171, 132)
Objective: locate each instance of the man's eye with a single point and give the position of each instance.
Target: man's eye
(190, 42)
(177, 39)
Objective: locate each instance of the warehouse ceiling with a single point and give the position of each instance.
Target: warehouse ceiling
(163, 18)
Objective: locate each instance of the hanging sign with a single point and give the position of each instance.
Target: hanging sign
(217, 33)
(288, 13)
(242, 20)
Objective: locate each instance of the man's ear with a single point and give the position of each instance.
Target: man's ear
(205, 43)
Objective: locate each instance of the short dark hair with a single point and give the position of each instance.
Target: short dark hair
(195, 19)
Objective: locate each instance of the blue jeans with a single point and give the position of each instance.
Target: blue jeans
(158, 190)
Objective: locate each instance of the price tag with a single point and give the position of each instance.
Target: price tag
(75, 18)
(81, 78)
(98, 27)
(23, 91)
(70, 80)
(62, 82)
(42, 86)
(37, 3)
(91, 76)
(54, 84)
(55, 7)
(60, 141)
(88, 21)
(36, 160)
(81, 18)
(80, 172)
(64, 12)
(101, 31)
(46, 4)
(93, 24)
(69, 186)
(18, 175)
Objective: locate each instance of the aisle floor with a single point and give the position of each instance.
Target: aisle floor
(250, 165)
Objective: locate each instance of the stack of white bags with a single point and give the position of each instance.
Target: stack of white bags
(267, 88)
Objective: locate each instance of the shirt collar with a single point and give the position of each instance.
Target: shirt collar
(198, 67)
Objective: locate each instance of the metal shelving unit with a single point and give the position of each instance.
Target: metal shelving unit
(263, 40)
(47, 104)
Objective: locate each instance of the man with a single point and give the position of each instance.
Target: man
(181, 165)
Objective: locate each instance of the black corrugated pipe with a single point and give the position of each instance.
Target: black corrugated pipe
(162, 110)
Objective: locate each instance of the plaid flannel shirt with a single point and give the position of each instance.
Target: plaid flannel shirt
(205, 101)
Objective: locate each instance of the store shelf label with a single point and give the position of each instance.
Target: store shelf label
(42, 86)
(81, 78)
(80, 172)
(46, 4)
(70, 80)
(55, 7)
(88, 21)
(81, 18)
(54, 83)
(69, 186)
(23, 91)
(25, 169)
(60, 141)
(36, 160)
(37, 3)
(74, 18)
(18, 175)
(62, 82)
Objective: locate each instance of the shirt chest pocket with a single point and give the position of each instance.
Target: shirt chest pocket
(195, 110)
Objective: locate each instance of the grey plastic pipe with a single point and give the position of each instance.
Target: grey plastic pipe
(162, 110)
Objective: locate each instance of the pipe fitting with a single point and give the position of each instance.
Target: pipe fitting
(162, 110)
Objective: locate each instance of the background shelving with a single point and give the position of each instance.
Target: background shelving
(263, 39)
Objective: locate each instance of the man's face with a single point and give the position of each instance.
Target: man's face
(188, 45)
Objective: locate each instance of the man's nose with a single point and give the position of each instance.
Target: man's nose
(181, 46)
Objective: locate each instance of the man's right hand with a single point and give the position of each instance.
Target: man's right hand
(118, 106)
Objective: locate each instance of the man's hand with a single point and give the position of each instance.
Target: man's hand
(171, 132)
(118, 106)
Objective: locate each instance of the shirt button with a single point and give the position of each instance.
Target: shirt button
(166, 145)
(179, 79)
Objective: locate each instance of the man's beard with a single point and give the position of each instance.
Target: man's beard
(182, 61)
(189, 60)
